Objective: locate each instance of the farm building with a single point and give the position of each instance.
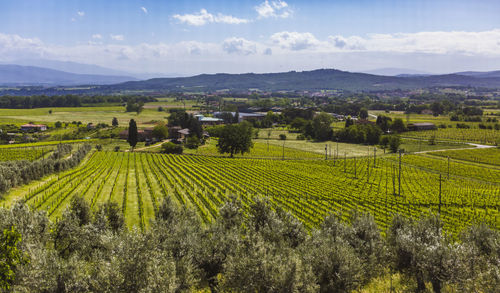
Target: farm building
(245, 116)
(421, 126)
(33, 127)
(209, 120)
(142, 134)
(183, 134)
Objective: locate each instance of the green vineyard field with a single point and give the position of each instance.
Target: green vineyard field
(29, 154)
(489, 156)
(486, 136)
(309, 189)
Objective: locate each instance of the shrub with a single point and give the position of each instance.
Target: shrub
(171, 148)
(282, 137)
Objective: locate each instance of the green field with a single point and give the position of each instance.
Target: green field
(83, 114)
(309, 189)
(474, 135)
(489, 156)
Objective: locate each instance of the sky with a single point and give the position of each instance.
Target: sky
(192, 37)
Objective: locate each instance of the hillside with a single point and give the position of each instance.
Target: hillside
(16, 75)
(322, 79)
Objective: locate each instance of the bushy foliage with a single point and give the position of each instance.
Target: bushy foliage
(171, 148)
(257, 248)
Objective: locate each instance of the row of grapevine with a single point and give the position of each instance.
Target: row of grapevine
(308, 189)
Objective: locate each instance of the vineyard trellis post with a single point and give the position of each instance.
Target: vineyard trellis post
(439, 207)
(368, 170)
(374, 157)
(283, 157)
(326, 152)
(345, 157)
(448, 167)
(399, 173)
(355, 175)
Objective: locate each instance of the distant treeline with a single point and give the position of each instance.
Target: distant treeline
(42, 101)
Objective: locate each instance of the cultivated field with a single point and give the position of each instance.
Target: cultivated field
(309, 189)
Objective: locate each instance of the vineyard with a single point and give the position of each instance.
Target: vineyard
(489, 156)
(309, 189)
(29, 154)
(486, 136)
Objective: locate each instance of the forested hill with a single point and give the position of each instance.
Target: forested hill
(322, 79)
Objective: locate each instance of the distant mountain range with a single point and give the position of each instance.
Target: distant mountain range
(322, 79)
(396, 72)
(53, 81)
(17, 75)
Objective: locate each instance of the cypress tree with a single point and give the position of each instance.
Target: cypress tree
(132, 133)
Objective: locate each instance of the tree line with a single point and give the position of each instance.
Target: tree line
(42, 101)
(263, 249)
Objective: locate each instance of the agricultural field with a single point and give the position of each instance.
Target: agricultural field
(473, 135)
(28, 154)
(260, 150)
(102, 114)
(489, 156)
(309, 189)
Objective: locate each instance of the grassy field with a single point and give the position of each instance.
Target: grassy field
(309, 189)
(84, 114)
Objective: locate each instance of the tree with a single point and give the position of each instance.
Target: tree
(235, 139)
(160, 131)
(398, 125)
(348, 122)
(11, 256)
(383, 122)
(114, 122)
(58, 124)
(236, 117)
(321, 127)
(193, 142)
(394, 143)
(363, 113)
(132, 133)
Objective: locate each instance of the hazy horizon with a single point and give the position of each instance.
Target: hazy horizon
(178, 38)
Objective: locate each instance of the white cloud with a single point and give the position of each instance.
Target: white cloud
(294, 41)
(239, 46)
(80, 13)
(203, 17)
(117, 37)
(440, 42)
(273, 9)
(282, 51)
(144, 10)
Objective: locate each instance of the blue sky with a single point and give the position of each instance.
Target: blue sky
(190, 37)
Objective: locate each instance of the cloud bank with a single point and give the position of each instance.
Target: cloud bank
(438, 51)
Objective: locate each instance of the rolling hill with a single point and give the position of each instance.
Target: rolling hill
(17, 75)
(322, 79)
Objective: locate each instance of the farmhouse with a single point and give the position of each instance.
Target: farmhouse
(33, 127)
(183, 134)
(421, 126)
(142, 134)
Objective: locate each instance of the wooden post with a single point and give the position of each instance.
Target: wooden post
(374, 157)
(354, 167)
(399, 175)
(448, 167)
(283, 158)
(326, 152)
(439, 208)
(345, 155)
